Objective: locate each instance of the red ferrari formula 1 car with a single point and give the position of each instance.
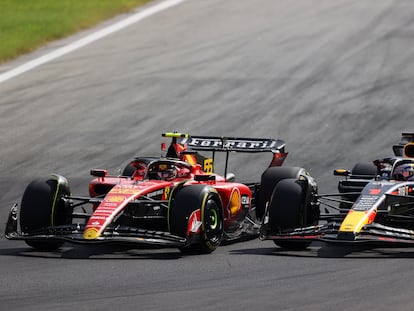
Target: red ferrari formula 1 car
(172, 201)
(373, 210)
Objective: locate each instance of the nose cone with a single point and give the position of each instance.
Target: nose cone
(91, 234)
(354, 222)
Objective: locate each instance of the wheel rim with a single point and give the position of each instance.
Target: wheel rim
(213, 223)
(213, 220)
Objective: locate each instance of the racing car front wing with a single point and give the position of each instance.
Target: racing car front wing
(74, 234)
(373, 234)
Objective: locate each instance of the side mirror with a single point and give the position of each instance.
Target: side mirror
(341, 172)
(230, 177)
(99, 173)
(205, 177)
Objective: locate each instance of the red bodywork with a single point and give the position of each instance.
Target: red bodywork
(124, 190)
(173, 201)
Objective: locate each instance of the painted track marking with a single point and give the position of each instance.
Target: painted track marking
(88, 39)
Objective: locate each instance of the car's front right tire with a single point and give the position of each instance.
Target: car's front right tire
(188, 200)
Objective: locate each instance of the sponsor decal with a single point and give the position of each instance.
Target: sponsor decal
(106, 215)
(124, 190)
(232, 143)
(114, 198)
(114, 202)
(375, 191)
(234, 204)
(109, 204)
(106, 208)
(167, 192)
(245, 200)
(103, 211)
(403, 190)
(98, 217)
(194, 222)
(155, 193)
(208, 166)
(365, 203)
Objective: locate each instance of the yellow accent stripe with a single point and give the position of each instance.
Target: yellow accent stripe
(175, 135)
(190, 159)
(203, 205)
(52, 214)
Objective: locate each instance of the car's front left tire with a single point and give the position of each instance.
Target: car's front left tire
(42, 207)
(288, 209)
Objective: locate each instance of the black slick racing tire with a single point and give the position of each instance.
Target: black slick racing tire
(42, 207)
(186, 201)
(270, 178)
(287, 211)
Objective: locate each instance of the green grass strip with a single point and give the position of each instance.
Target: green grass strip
(28, 24)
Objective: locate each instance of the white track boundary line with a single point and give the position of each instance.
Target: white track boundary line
(89, 39)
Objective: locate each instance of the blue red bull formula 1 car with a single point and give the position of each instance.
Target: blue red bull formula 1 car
(373, 207)
(176, 200)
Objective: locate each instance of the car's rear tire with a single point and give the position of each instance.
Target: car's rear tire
(269, 180)
(42, 207)
(186, 201)
(288, 209)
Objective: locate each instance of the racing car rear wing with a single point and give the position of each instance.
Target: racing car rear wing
(235, 144)
(231, 144)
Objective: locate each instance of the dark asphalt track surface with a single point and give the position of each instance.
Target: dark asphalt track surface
(332, 78)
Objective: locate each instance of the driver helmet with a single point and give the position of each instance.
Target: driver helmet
(183, 172)
(404, 172)
(166, 172)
